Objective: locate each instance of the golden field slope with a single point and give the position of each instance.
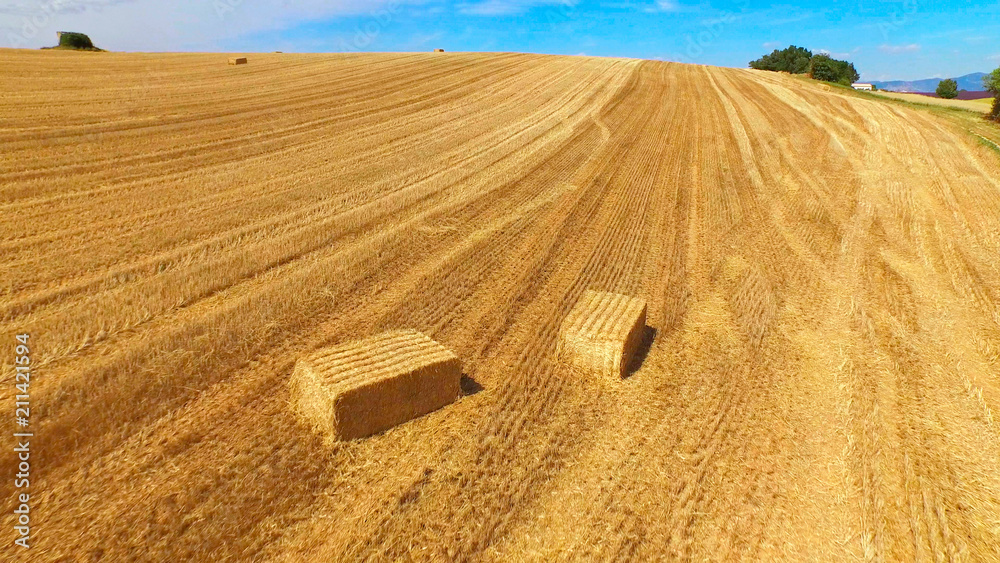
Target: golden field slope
(821, 270)
(981, 105)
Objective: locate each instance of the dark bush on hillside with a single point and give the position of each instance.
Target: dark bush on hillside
(73, 40)
(822, 67)
(793, 59)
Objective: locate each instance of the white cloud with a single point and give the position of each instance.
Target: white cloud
(665, 6)
(509, 7)
(33, 7)
(648, 6)
(180, 25)
(899, 49)
(772, 44)
(836, 54)
(423, 39)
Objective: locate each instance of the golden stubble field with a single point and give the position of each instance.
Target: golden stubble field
(980, 106)
(822, 271)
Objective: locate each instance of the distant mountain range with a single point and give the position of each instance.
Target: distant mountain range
(971, 82)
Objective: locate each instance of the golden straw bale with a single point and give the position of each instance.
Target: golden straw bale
(237, 60)
(368, 386)
(603, 332)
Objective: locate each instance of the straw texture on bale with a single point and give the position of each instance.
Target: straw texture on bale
(368, 386)
(237, 60)
(603, 332)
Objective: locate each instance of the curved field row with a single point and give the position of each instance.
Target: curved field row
(820, 270)
(979, 106)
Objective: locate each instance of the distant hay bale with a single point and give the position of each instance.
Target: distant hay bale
(602, 333)
(237, 60)
(438, 50)
(365, 387)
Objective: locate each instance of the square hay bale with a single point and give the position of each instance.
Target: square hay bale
(438, 50)
(603, 332)
(237, 60)
(365, 387)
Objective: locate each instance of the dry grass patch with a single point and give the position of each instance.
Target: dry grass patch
(365, 387)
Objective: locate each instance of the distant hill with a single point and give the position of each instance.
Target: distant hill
(971, 82)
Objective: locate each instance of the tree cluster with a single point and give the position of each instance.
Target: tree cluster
(798, 60)
(794, 60)
(992, 83)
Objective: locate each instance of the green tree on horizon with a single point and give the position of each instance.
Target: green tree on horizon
(75, 40)
(826, 68)
(798, 60)
(947, 89)
(794, 60)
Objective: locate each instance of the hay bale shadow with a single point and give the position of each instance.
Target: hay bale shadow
(648, 335)
(469, 386)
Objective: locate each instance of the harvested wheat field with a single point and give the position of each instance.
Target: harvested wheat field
(821, 270)
(981, 105)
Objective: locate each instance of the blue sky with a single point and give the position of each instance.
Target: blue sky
(895, 39)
